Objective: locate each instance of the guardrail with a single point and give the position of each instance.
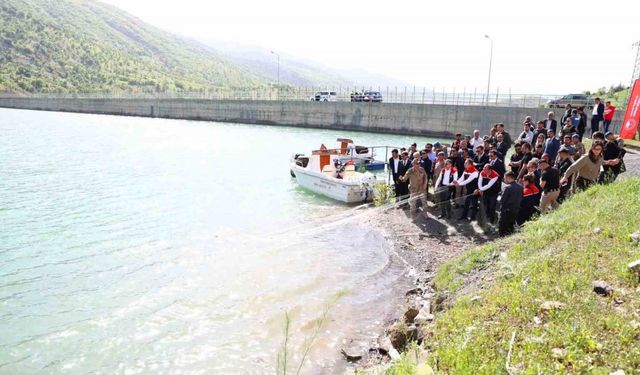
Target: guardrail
(407, 95)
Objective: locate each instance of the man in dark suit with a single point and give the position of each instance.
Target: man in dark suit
(597, 115)
(404, 166)
(497, 164)
(394, 167)
(509, 204)
(550, 123)
(480, 158)
(501, 146)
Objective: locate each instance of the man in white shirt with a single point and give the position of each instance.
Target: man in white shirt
(444, 187)
(527, 134)
(477, 139)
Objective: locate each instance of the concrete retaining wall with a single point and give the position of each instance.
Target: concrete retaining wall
(415, 119)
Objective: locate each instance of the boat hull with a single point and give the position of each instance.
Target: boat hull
(342, 190)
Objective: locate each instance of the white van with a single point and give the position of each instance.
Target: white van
(325, 96)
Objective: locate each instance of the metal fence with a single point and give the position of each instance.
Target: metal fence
(408, 95)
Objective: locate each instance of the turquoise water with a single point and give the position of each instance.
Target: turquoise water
(146, 245)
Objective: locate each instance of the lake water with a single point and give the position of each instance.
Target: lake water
(132, 245)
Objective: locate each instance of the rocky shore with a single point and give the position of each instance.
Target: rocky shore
(423, 243)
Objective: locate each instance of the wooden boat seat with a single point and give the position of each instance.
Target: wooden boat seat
(328, 170)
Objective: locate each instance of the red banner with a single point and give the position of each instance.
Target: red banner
(632, 116)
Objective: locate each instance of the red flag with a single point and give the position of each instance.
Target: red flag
(632, 115)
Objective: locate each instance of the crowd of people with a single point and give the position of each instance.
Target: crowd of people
(508, 180)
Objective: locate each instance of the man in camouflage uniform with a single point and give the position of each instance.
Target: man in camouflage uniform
(417, 186)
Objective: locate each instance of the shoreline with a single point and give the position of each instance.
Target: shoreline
(423, 244)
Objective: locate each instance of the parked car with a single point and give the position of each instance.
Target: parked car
(372, 96)
(576, 100)
(325, 96)
(356, 96)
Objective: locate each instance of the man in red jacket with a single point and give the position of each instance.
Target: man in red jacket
(608, 115)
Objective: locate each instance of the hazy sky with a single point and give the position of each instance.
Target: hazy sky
(540, 46)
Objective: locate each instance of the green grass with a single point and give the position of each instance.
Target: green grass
(556, 258)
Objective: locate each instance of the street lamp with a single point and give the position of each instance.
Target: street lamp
(273, 53)
(490, 61)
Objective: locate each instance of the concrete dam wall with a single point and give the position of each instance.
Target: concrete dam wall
(397, 118)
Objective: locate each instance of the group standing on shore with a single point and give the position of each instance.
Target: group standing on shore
(546, 165)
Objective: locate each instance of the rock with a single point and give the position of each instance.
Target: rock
(635, 237)
(386, 348)
(635, 266)
(351, 355)
(551, 305)
(411, 314)
(558, 353)
(475, 298)
(537, 320)
(413, 292)
(422, 319)
(597, 230)
(398, 335)
(619, 372)
(602, 288)
(412, 333)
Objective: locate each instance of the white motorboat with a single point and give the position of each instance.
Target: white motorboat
(319, 174)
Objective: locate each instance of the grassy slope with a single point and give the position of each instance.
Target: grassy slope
(79, 45)
(553, 259)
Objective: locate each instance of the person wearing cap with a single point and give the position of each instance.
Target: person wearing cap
(596, 115)
(577, 144)
(552, 144)
(444, 188)
(509, 204)
(417, 178)
(550, 183)
(563, 163)
(612, 159)
(609, 111)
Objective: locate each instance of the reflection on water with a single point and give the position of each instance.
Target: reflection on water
(145, 245)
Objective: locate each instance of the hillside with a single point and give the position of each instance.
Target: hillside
(86, 46)
(300, 72)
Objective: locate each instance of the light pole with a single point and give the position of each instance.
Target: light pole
(278, 56)
(490, 62)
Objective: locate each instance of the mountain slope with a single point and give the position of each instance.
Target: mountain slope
(86, 46)
(299, 72)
